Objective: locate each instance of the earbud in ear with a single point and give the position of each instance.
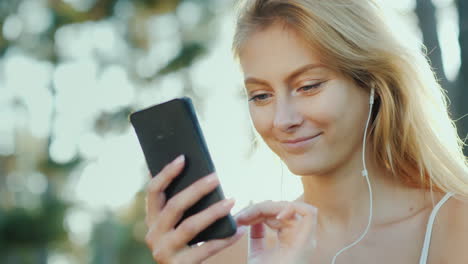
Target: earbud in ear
(371, 98)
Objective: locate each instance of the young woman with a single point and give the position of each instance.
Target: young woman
(359, 116)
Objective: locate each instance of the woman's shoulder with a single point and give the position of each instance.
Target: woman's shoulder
(456, 218)
(450, 235)
(454, 214)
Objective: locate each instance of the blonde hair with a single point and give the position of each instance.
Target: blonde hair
(412, 132)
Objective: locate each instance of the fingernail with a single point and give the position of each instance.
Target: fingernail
(211, 178)
(281, 215)
(239, 216)
(179, 159)
(228, 202)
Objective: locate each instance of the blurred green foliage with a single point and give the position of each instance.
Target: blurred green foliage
(184, 58)
(29, 234)
(22, 228)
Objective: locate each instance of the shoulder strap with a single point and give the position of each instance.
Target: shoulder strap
(430, 223)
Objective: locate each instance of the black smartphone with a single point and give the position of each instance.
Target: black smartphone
(167, 130)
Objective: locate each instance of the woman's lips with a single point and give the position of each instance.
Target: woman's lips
(298, 144)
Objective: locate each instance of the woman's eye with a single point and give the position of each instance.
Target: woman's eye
(259, 97)
(310, 87)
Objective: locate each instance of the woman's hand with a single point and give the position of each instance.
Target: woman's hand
(295, 224)
(169, 244)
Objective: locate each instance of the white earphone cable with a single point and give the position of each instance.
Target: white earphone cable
(281, 182)
(365, 174)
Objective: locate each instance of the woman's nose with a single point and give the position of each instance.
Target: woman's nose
(287, 118)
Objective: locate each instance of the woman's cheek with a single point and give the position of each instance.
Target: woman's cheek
(260, 120)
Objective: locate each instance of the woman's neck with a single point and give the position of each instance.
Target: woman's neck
(342, 197)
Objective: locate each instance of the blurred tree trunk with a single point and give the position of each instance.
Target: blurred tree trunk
(42, 255)
(457, 91)
(426, 12)
(462, 80)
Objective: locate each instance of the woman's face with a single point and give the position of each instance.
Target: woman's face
(312, 117)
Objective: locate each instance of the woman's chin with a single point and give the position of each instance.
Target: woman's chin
(303, 169)
(308, 165)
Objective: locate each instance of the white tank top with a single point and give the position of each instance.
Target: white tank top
(430, 223)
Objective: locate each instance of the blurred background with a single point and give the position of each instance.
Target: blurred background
(72, 175)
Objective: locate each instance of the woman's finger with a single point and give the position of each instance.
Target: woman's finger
(159, 244)
(155, 198)
(301, 217)
(309, 214)
(258, 211)
(202, 252)
(283, 210)
(178, 204)
(304, 209)
(165, 244)
(287, 213)
(194, 224)
(309, 223)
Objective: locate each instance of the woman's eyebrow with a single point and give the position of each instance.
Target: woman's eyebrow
(252, 80)
(302, 70)
(289, 78)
